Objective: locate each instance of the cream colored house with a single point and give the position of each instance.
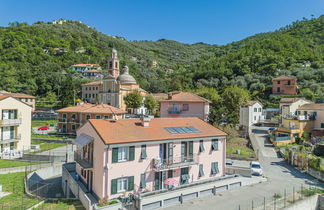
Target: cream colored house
(15, 126)
(289, 106)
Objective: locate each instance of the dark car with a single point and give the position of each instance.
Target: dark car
(229, 162)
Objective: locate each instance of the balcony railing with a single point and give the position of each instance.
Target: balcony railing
(174, 110)
(10, 122)
(282, 138)
(83, 162)
(300, 117)
(175, 162)
(12, 139)
(65, 120)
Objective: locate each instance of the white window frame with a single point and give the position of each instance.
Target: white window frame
(122, 154)
(122, 185)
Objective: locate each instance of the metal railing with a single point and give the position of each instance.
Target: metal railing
(12, 139)
(300, 117)
(83, 162)
(10, 122)
(175, 162)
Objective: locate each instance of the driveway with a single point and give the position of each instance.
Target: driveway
(280, 177)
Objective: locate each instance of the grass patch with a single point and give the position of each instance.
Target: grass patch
(14, 183)
(12, 163)
(311, 191)
(234, 144)
(62, 204)
(45, 146)
(277, 196)
(46, 136)
(40, 123)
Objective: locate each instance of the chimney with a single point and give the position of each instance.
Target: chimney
(145, 121)
(169, 95)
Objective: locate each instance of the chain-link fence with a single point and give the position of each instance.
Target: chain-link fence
(282, 199)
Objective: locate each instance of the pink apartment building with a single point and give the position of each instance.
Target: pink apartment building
(117, 157)
(184, 104)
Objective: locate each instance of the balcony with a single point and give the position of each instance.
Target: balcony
(65, 120)
(84, 163)
(176, 162)
(281, 138)
(12, 139)
(300, 117)
(174, 110)
(10, 122)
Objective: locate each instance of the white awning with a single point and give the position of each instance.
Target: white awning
(82, 140)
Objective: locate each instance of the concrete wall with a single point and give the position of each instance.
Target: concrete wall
(309, 203)
(91, 91)
(24, 129)
(284, 89)
(248, 116)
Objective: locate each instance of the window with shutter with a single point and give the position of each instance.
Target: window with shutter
(130, 183)
(170, 152)
(214, 168)
(113, 186)
(201, 146)
(190, 150)
(143, 181)
(143, 152)
(201, 170)
(214, 145)
(131, 153)
(114, 155)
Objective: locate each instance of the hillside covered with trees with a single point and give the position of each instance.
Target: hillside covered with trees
(35, 59)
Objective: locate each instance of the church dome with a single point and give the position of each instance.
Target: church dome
(126, 78)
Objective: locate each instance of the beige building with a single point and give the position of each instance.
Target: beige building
(113, 87)
(15, 126)
(28, 99)
(289, 106)
(90, 91)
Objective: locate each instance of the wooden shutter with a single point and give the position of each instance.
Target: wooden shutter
(170, 173)
(131, 153)
(114, 155)
(114, 186)
(130, 183)
(201, 170)
(143, 152)
(201, 146)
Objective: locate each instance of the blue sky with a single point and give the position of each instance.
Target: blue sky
(209, 21)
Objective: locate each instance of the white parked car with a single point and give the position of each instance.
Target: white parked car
(256, 168)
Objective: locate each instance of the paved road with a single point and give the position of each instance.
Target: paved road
(280, 177)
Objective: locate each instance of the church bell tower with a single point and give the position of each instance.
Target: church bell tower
(113, 64)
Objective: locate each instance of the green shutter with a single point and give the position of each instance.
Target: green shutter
(131, 153)
(214, 144)
(114, 186)
(201, 146)
(143, 181)
(190, 150)
(15, 114)
(115, 155)
(143, 152)
(130, 183)
(201, 170)
(214, 168)
(170, 152)
(170, 173)
(183, 151)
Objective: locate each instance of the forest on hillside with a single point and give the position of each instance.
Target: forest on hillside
(35, 59)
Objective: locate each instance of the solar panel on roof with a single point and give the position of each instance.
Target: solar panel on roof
(182, 130)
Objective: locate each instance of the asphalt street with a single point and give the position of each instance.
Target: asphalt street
(281, 177)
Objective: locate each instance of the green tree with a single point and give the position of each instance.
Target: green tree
(133, 99)
(233, 97)
(150, 103)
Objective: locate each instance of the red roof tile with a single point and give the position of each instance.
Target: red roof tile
(92, 83)
(131, 130)
(186, 97)
(93, 108)
(284, 78)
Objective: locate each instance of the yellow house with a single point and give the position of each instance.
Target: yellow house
(15, 127)
(308, 118)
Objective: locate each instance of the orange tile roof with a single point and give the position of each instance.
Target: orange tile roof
(16, 95)
(251, 103)
(160, 96)
(92, 83)
(131, 130)
(84, 65)
(185, 97)
(3, 97)
(93, 108)
(284, 78)
(311, 107)
(290, 100)
(92, 70)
